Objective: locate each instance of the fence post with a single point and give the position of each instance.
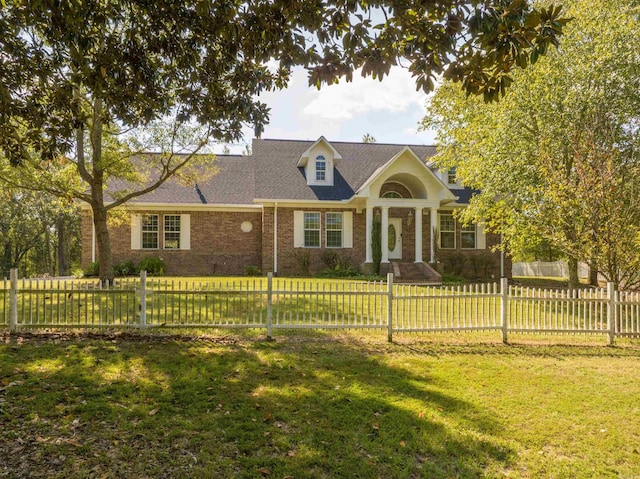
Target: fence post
(611, 312)
(504, 303)
(390, 307)
(13, 300)
(269, 304)
(143, 298)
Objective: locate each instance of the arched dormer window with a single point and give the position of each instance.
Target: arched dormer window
(321, 168)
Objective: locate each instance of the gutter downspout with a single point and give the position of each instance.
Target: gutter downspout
(275, 239)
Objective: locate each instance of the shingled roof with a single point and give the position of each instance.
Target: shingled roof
(279, 177)
(271, 173)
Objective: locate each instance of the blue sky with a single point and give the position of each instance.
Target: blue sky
(389, 110)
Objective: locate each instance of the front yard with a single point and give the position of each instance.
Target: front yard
(315, 406)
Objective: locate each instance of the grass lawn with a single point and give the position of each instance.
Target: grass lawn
(315, 406)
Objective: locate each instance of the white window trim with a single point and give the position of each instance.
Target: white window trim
(319, 230)
(475, 237)
(326, 229)
(447, 231)
(164, 233)
(142, 232)
(321, 158)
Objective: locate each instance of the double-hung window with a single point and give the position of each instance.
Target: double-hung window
(333, 224)
(468, 237)
(452, 178)
(149, 231)
(321, 168)
(171, 231)
(311, 230)
(447, 231)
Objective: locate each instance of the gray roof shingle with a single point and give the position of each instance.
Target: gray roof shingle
(271, 172)
(278, 177)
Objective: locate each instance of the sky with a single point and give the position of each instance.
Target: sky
(390, 110)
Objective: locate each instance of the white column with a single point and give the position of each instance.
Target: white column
(384, 236)
(434, 226)
(369, 229)
(418, 221)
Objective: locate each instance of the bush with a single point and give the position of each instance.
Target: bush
(92, 270)
(330, 258)
(303, 258)
(342, 269)
(454, 264)
(125, 268)
(452, 278)
(153, 265)
(252, 270)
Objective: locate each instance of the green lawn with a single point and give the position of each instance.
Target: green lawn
(316, 406)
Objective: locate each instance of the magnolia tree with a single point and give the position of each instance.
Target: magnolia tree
(557, 158)
(78, 80)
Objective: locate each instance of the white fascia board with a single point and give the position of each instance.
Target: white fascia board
(306, 203)
(302, 162)
(186, 207)
(448, 195)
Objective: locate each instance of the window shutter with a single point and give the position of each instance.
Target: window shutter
(136, 231)
(481, 239)
(347, 229)
(185, 231)
(298, 229)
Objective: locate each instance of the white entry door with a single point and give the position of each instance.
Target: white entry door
(395, 238)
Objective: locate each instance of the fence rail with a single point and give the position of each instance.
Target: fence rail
(274, 303)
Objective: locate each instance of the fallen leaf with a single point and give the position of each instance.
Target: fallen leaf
(403, 444)
(73, 442)
(153, 412)
(421, 414)
(376, 425)
(291, 453)
(267, 417)
(265, 471)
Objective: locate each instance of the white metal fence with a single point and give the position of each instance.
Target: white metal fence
(273, 303)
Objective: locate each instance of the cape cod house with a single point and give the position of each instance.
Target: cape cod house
(289, 202)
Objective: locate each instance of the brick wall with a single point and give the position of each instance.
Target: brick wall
(218, 246)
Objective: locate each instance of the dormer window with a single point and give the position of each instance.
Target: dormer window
(451, 176)
(321, 168)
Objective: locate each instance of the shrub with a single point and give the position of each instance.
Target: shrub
(376, 245)
(452, 278)
(454, 263)
(252, 270)
(153, 265)
(342, 269)
(125, 268)
(303, 258)
(92, 270)
(330, 258)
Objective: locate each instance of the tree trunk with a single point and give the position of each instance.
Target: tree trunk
(593, 274)
(574, 282)
(63, 264)
(103, 243)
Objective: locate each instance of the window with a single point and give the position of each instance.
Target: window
(392, 194)
(172, 232)
(334, 230)
(149, 231)
(451, 176)
(321, 168)
(468, 237)
(447, 231)
(311, 230)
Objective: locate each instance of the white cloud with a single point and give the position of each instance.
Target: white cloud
(344, 101)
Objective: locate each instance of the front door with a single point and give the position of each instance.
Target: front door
(395, 238)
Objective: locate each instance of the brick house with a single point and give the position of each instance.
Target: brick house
(282, 207)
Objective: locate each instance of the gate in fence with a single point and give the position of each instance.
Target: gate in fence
(273, 303)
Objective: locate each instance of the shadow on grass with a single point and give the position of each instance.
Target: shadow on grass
(234, 409)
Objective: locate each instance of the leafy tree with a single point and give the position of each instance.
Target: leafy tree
(75, 76)
(556, 159)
